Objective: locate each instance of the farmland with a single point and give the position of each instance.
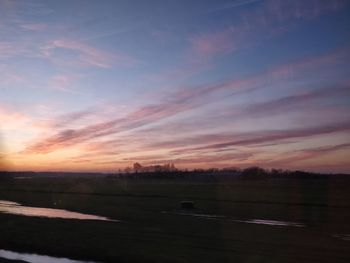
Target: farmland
(154, 228)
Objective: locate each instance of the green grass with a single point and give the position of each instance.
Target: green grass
(147, 235)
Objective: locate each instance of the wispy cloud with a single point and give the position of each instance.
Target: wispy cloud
(113, 33)
(64, 82)
(286, 10)
(229, 86)
(11, 118)
(86, 54)
(233, 140)
(266, 18)
(204, 160)
(9, 76)
(33, 26)
(67, 119)
(180, 101)
(269, 16)
(295, 157)
(235, 4)
(138, 118)
(263, 137)
(9, 49)
(293, 102)
(206, 46)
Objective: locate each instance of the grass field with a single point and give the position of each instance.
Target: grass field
(147, 234)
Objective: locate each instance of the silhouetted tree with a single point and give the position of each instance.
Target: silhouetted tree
(127, 170)
(137, 167)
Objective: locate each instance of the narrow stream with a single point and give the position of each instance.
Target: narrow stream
(35, 258)
(10, 207)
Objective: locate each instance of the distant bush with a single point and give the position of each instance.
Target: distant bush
(254, 173)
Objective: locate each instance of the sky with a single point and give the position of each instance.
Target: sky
(98, 85)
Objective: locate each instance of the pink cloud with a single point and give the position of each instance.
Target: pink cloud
(279, 135)
(211, 44)
(329, 59)
(229, 141)
(180, 101)
(293, 102)
(8, 115)
(203, 159)
(270, 16)
(306, 154)
(13, 119)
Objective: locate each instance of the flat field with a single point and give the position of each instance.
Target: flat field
(223, 227)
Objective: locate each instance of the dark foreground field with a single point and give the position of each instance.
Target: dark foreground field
(152, 230)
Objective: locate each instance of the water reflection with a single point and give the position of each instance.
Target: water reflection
(204, 216)
(270, 222)
(345, 237)
(10, 207)
(35, 258)
(249, 221)
(23, 177)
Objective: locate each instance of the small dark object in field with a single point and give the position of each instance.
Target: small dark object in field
(187, 205)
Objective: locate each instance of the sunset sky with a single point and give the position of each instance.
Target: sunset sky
(99, 85)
